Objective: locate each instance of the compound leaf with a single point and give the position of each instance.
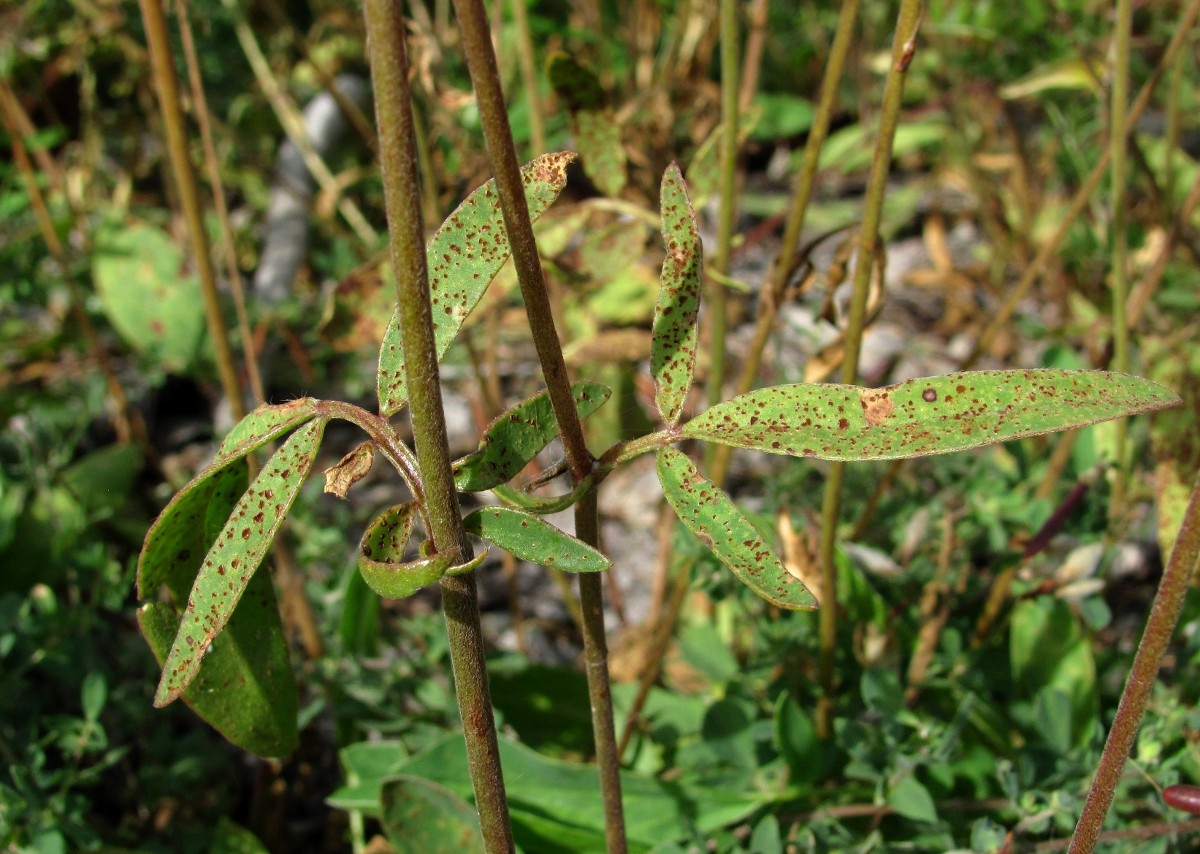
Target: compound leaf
(716, 521)
(916, 418)
(463, 257)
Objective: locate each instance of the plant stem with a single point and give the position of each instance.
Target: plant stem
(481, 62)
(402, 198)
(1164, 614)
(1117, 138)
(903, 46)
(768, 304)
(167, 88)
(537, 136)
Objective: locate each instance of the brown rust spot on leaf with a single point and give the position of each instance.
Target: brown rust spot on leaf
(877, 406)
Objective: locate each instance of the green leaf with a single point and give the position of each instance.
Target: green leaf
(912, 800)
(534, 539)
(517, 436)
(595, 129)
(381, 556)
(673, 345)
(137, 271)
(936, 415)
(542, 506)
(463, 257)
(712, 516)
(173, 547)
(235, 556)
(423, 817)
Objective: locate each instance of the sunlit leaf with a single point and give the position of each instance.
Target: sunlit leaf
(463, 257)
(235, 556)
(673, 347)
(593, 125)
(719, 524)
(533, 539)
(936, 415)
(516, 437)
(381, 560)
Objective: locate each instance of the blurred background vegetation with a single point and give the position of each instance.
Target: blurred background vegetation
(977, 673)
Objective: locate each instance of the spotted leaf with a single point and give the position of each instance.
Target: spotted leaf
(673, 345)
(936, 415)
(517, 436)
(533, 539)
(381, 556)
(463, 257)
(234, 557)
(716, 521)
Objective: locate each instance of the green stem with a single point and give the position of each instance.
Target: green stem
(167, 89)
(1120, 285)
(1164, 614)
(529, 77)
(903, 46)
(481, 62)
(768, 304)
(402, 198)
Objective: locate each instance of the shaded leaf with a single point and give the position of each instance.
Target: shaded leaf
(1173, 436)
(534, 539)
(516, 437)
(719, 524)
(463, 257)
(595, 129)
(912, 800)
(423, 817)
(235, 556)
(673, 346)
(936, 415)
(542, 506)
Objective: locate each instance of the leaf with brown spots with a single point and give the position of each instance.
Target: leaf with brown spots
(719, 524)
(463, 257)
(533, 539)
(917, 418)
(673, 346)
(594, 127)
(234, 557)
(381, 556)
(517, 436)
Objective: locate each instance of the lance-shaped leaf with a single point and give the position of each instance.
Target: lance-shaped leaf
(533, 539)
(593, 125)
(463, 257)
(716, 521)
(673, 345)
(234, 557)
(936, 415)
(381, 556)
(542, 505)
(517, 436)
(169, 553)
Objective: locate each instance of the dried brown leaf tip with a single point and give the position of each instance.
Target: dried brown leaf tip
(350, 469)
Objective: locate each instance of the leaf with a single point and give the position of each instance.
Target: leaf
(716, 521)
(463, 257)
(936, 415)
(423, 817)
(350, 469)
(542, 506)
(597, 134)
(516, 437)
(533, 539)
(232, 560)
(154, 307)
(673, 346)
(381, 556)
(912, 800)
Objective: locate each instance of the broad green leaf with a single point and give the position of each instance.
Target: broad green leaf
(593, 125)
(716, 521)
(517, 436)
(245, 688)
(912, 800)
(171, 552)
(936, 415)
(423, 817)
(673, 346)
(534, 539)
(233, 559)
(154, 307)
(463, 257)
